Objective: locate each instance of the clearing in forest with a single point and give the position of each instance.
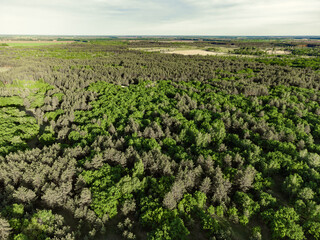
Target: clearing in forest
(196, 52)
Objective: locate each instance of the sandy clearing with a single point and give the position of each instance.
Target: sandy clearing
(207, 53)
(196, 52)
(184, 51)
(278, 52)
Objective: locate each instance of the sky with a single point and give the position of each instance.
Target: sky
(160, 17)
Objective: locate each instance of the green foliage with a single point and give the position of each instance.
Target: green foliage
(166, 223)
(247, 205)
(16, 127)
(225, 141)
(47, 138)
(284, 223)
(314, 229)
(249, 51)
(40, 225)
(17, 209)
(109, 188)
(306, 51)
(174, 230)
(313, 63)
(105, 194)
(21, 236)
(189, 205)
(293, 183)
(11, 101)
(267, 200)
(54, 115)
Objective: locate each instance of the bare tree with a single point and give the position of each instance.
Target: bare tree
(4, 229)
(220, 187)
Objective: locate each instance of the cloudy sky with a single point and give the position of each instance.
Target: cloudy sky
(160, 17)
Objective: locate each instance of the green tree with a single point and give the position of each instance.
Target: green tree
(284, 224)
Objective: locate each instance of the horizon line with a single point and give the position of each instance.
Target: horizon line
(150, 35)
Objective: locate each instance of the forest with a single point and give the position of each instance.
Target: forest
(100, 139)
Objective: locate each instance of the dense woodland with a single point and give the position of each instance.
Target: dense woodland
(101, 141)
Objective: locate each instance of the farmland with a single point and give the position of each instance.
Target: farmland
(160, 139)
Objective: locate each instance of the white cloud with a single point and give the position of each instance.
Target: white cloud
(176, 17)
